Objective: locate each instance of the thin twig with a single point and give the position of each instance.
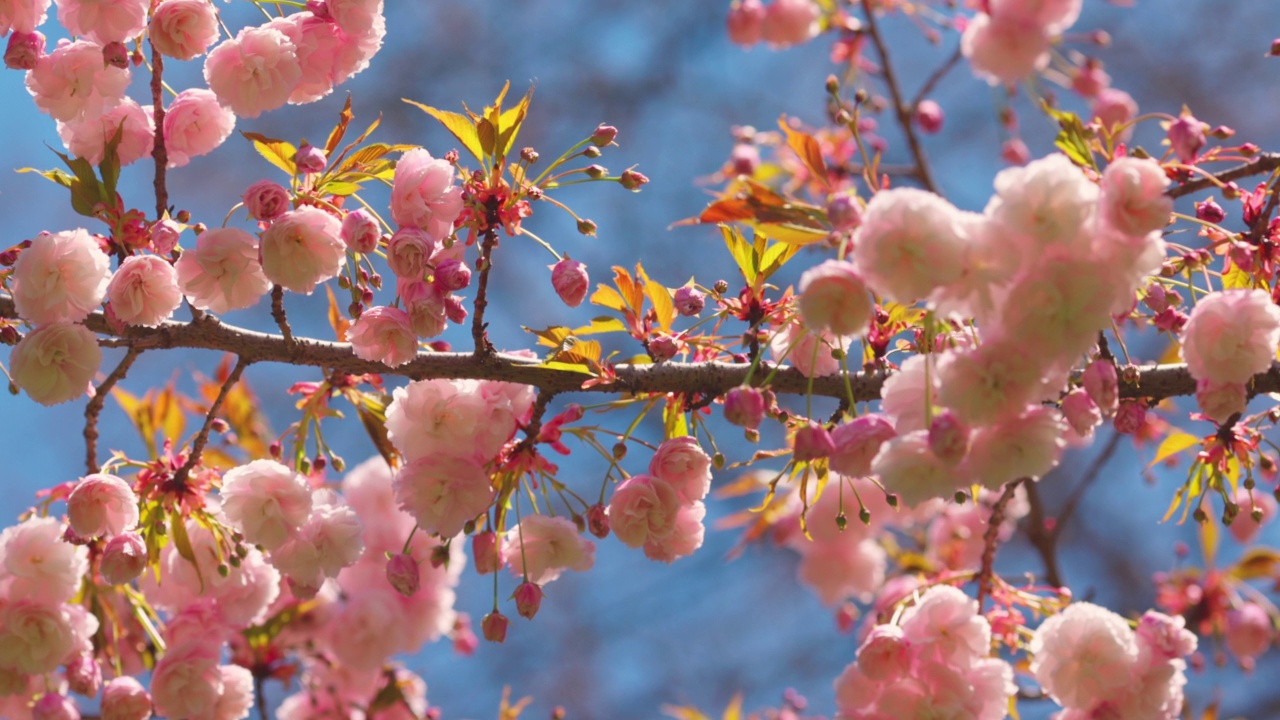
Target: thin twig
(936, 77)
(277, 314)
(158, 152)
(94, 408)
(483, 348)
(900, 107)
(1264, 163)
(202, 438)
(534, 426)
(991, 539)
(1041, 537)
(259, 698)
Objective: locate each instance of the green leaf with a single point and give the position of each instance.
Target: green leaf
(55, 175)
(110, 165)
(182, 542)
(459, 125)
(276, 152)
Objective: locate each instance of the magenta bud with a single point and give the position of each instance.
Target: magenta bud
(266, 200)
(570, 280)
(452, 275)
(360, 231)
(1015, 152)
(929, 116)
(604, 135)
(310, 159)
(115, 54)
(84, 675)
(632, 180)
(844, 212)
(689, 301)
(320, 9)
(664, 346)
(402, 573)
(598, 521)
(24, 50)
(1157, 298)
(1130, 417)
(484, 552)
(528, 598)
(812, 441)
(745, 407)
(123, 558)
(494, 627)
(55, 706)
(1186, 137)
(1210, 211)
(948, 438)
(1103, 385)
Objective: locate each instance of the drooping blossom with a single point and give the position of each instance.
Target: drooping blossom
(102, 504)
(183, 29)
(423, 194)
(55, 363)
(72, 82)
(266, 501)
(1231, 336)
(87, 137)
(383, 334)
(541, 547)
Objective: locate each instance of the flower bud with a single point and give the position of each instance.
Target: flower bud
(454, 310)
(1130, 417)
(164, 236)
(570, 280)
(812, 441)
(929, 116)
(1157, 298)
(1081, 412)
(604, 135)
(402, 573)
(689, 301)
(452, 275)
(84, 675)
(1186, 136)
(1210, 211)
(632, 180)
(1103, 385)
(24, 50)
(587, 227)
(598, 521)
(360, 231)
(494, 627)
(266, 200)
(745, 407)
(745, 22)
(484, 552)
(55, 706)
(844, 212)
(124, 558)
(1015, 152)
(948, 438)
(1249, 631)
(124, 698)
(310, 159)
(528, 598)
(116, 55)
(664, 346)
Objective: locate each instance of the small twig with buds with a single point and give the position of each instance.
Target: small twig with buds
(483, 348)
(900, 106)
(94, 408)
(991, 539)
(202, 437)
(1264, 163)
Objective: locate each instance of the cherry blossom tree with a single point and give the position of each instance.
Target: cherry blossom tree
(899, 402)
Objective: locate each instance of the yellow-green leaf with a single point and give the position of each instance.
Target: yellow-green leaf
(603, 324)
(276, 152)
(1172, 445)
(1258, 562)
(459, 125)
(606, 296)
(660, 296)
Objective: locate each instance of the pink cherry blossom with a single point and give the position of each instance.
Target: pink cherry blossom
(222, 273)
(1082, 654)
(356, 17)
(427, 306)
(104, 21)
(23, 50)
(87, 136)
(1221, 400)
(1250, 630)
(360, 231)
(330, 540)
(38, 564)
(809, 352)
(789, 22)
(946, 625)
(1081, 413)
(408, 252)
(36, 638)
(910, 243)
(1004, 49)
(909, 469)
(144, 291)
(62, 277)
(366, 630)
(1047, 202)
(423, 194)
(1026, 446)
(834, 298)
(183, 29)
(195, 124)
(857, 442)
(686, 535)
(22, 16)
(266, 501)
(123, 558)
(1102, 383)
(71, 82)
(319, 43)
(443, 493)
(55, 363)
(124, 698)
(254, 72)
(383, 334)
(187, 682)
(266, 200)
(55, 706)
(1245, 528)
(1231, 336)
(102, 504)
(541, 547)
(571, 281)
(744, 406)
(1052, 15)
(847, 566)
(745, 22)
(1133, 199)
(906, 395)
(885, 654)
(450, 417)
(684, 465)
(301, 249)
(643, 508)
(1113, 109)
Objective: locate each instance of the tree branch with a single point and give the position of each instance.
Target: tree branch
(158, 151)
(202, 438)
(1264, 163)
(900, 107)
(991, 539)
(94, 408)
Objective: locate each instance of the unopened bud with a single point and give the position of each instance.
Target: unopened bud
(812, 441)
(123, 559)
(689, 301)
(598, 521)
(844, 212)
(948, 438)
(451, 275)
(24, 50)
(528, 597)
(360, 231)
(604, 135)
(1103, 385)
(115, 54)
(454, 310)
(595, 172)
(310, 159)
(1130, 417)
(929, 116)
(587, 227)
(484, 552)
(633, 180)
(664, 347)
(84, 675)
(745, 407)
(440, 557)
(529, 155)
(1210, 211)
(55, 706)
(570, 280)
(402, 573)
(494, 627)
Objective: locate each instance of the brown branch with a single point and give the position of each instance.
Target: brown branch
(1264, 163)
(277, 314)
(900, 107)
(991, 539)
(1041, 537)
(936, 77)
(483, 348)
(94, 408)
(158, 151)
(202, 437)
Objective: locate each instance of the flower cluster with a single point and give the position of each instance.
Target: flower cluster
(662, 511)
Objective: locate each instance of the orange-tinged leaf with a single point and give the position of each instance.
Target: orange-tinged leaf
(335, 135)
(276, 152)
(808, 149)
(337, 320)
(1258, 562)
(606, 296)
(511, 121)
(551, 337)
(684, 713)
(459, 125)
(630, 290)
(660, 296)
(1172, 445)
(797, 235)
(734, 711)
(166, 414)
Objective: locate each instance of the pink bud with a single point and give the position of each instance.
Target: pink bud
(1249, 631)
(1103, 385)
(464, 638)
(164, 236)
(24, 50)
(1157, 299)
(744, 159)
(857, 443)
(484, 552)
(528, 599)
(1130, 417)
(115, 54)
(745, 22)
(1090, 79)
(123, 558)
(844, 212)
(266, 200)
(812, 441)
(1186, 136)
(604, 135)
(454, 309)
(664, 346)
(402, 573)
(929, 116)
(1210, 211)
(320, 9)
(310, 159)
(55, 706)
(494, 627)
(598, 521)
(452, 275)
(632, 180)
(1015, 152)
(84, 675)
(744, 407)
(948, 437)
(360, 231)
(689, 301)
(569, 278)
(124, 698)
